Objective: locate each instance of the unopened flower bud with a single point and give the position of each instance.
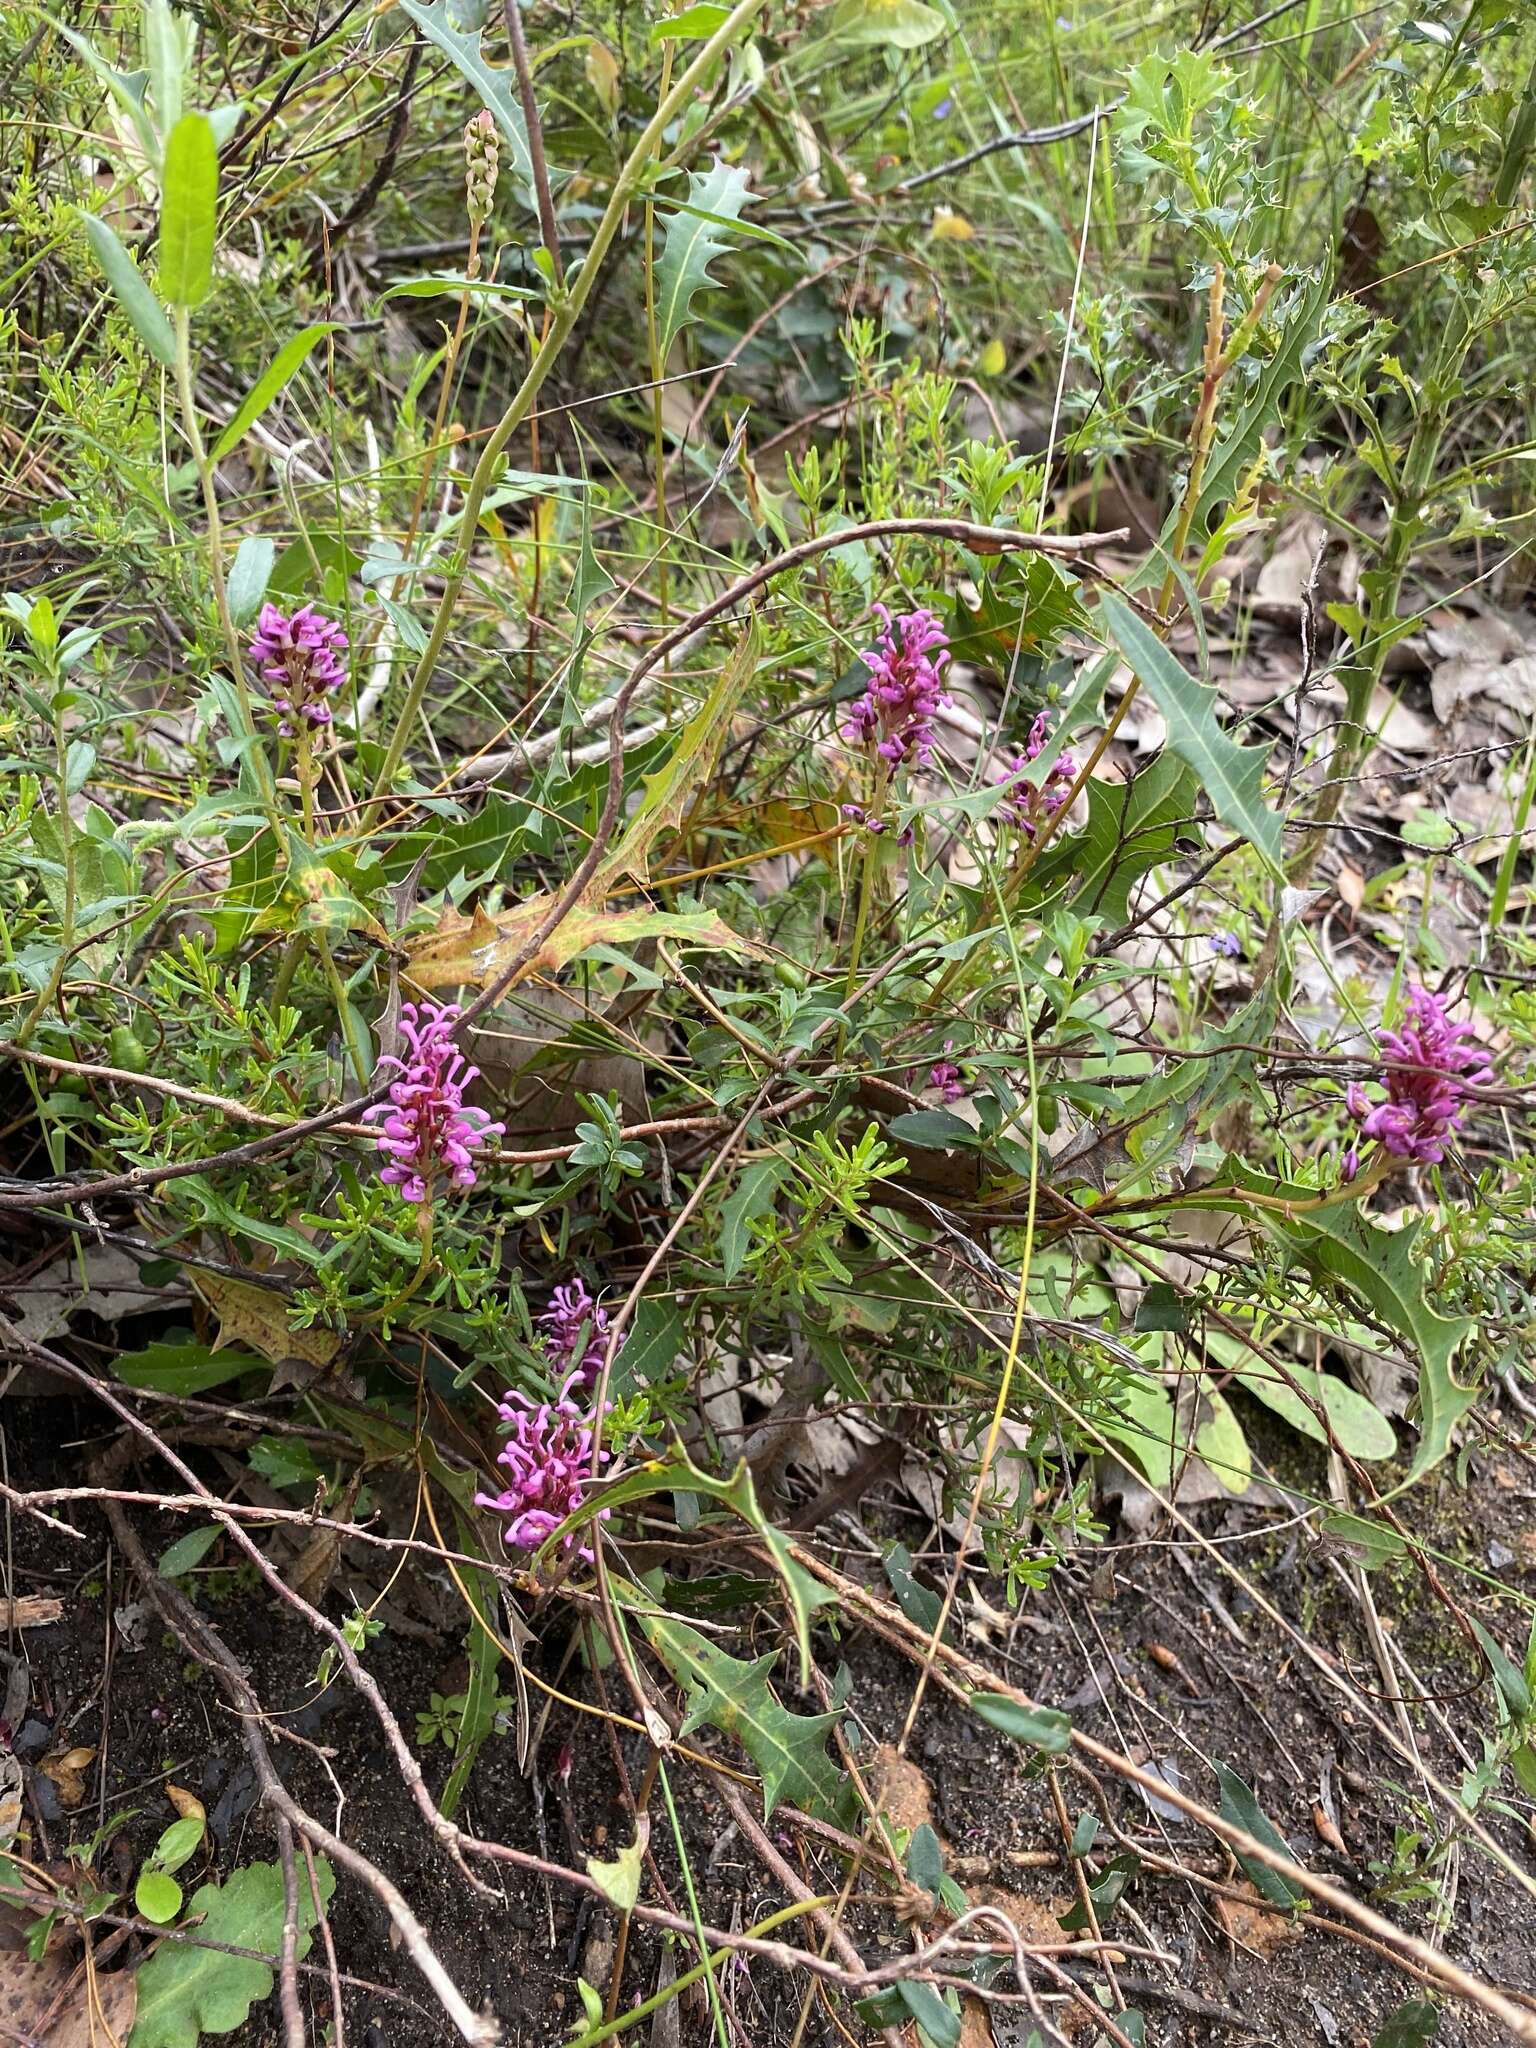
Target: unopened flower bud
(482, 147)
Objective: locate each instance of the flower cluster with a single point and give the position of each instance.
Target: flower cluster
(1426, 1069)
(428, 1127)
(905, 688)
(482, 147)
(549, 1458)
(1028, 803)
(575, 1327)
(299, 655)
(947, 1078)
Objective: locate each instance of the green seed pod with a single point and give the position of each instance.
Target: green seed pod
(789, 974)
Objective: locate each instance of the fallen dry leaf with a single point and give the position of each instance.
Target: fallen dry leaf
(30, 1610)
(102, 2018)
(1038, 1921)
(66, 1772)
(1327, 1832)
(1250, 1924)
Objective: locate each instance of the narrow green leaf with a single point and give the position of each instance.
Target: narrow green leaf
(133, 294)
(169, 41)
(284, 366)
(189, 207)
(1509, 1679)
(934, 1130)
(1239, 1806)
(186, 1367)
(249, 574)
(188, 1551)
(753, 1197)
(1232, 776)
(938, 2020)
(1041, 1727)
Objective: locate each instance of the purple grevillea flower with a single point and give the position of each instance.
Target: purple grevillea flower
(905, 688)
(575, 1327)
(299, 655)
(429, 1130)
(549, 1458)
(1028, 803)
(946, 1077)
(1426, 1068)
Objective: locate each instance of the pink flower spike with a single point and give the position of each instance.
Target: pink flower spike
(299, 658)
(1027, 803)
(1427, 1067)
(429, 1130)
(575, 1329)
(549, 1458)
(906, 688)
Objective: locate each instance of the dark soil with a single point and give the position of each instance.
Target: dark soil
(1130, 1643)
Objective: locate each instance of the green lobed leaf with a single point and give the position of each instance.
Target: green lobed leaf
(1413, 2025)
(133, 294)
(1379, 1267)
(185, 1991)
(189, 205)
(692, 241)
(619, 1878)
(284, 366)
(1231, 775)
(1122, 840)
(788, 1749)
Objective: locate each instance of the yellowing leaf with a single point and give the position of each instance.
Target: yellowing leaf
(258, 1317)
(993, 359)
(187, 1804)
(475, 951)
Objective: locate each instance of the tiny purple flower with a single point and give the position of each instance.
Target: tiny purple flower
(300, 659)
(1227, 944)
(549, 1458)
(905, 689)
(428, 1127)
(946, 1077)
(1028, 803)
(575, 1329)
(1427, 1067)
